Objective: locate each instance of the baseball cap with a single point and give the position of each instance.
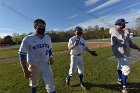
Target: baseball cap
(121, 21)
(78, 28)
(38, 21)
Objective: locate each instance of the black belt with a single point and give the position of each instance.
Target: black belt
(79, 54)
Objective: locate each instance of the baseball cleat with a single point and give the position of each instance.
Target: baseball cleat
(83, 86)
(119, 82)
(124, 90)
(67, 82)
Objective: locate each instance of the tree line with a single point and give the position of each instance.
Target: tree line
(95, 32)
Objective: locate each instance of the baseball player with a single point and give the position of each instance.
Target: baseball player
(76, 45)
(36, 50)
(120, 46)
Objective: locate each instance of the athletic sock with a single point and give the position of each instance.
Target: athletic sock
(123, 82)
(68, 77)
(81, 78)
(33, 89)
(119, 75)
(53, 92)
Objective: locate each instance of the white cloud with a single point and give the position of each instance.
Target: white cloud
(73, 16)
(127, 7)
(2, 34)
(108, 3)
(90, 2)
(109, 20)
(92, 22)
(105, 11)
(55, 29)
(5, 31)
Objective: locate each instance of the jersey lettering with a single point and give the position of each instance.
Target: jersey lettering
(81, 43)
(40, 46)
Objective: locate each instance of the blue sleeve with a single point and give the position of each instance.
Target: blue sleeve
(22, 56)
(50, 52)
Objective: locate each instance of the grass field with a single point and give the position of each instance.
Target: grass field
(100, 73)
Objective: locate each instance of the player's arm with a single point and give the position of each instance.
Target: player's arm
(91, 52)
(72, 44)
(87, 49)
(23, 64)
(51, 57)
(23, 58)
(132, 45)
(50, 54)
(71, 47)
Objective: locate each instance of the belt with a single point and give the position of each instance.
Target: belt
(79, 54)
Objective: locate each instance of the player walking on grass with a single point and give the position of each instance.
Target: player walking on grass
(120, 46)
(76, 45)
(36, 50)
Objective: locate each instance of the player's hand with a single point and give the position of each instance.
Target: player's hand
(93, 53)
(27, 74)
(51, 61)
(76, 42)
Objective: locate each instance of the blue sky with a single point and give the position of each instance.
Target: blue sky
(16, 16)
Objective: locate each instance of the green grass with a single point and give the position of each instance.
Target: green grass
(60, 46)
(100, 75)
(9, 48)
(136, 41)
(9, 53)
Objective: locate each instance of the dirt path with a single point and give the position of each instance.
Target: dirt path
(98, 44)
(9, 59)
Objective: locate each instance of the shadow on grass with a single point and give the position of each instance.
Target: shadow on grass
(132, 87)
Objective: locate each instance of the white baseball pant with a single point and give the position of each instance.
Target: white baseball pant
(76, 63)
(124, 66)
(45, 71)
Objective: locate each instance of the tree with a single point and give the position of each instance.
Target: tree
(7, 39)
(1, 40)
(96, 27)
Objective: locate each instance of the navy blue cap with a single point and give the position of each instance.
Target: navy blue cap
(121, 21)
(78, 28)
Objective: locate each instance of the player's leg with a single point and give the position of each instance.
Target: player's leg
(72, 70)
(80, 66)
(125, 68)
(48, 78)
(33, 81)
(119, 73)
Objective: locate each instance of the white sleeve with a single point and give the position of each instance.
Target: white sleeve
(70, 42)
(24, 47)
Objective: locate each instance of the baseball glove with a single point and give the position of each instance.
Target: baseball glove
(93, 53)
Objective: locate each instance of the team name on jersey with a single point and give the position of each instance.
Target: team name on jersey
(38, 46)
(81, 43)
